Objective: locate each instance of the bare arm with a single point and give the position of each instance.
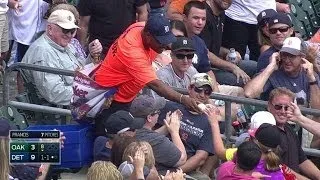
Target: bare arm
(142, 12)
(218, 146)
(195, 161)
(294, 114)
(225, 65)
(173, 127)
(165, 91)
(308, 168)
(83, 31)
(254, 88)
(223, 52)
(214, 80)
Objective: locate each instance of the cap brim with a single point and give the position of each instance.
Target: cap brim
(167, 39)
(185, 49)
(290, 51)
(68, 26)
(137, 123)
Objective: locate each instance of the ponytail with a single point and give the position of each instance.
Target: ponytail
(272, 160)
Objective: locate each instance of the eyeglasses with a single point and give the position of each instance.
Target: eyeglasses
(275, 30)
(66, 31)
(155, 112)
(183, 56)
(205, 90)
(280, 107)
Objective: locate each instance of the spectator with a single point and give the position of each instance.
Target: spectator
(141, 42)
(167, 154)
(248, 156)
(194, 19)
(75, 12)
(240, 27)
(280, 28)
(194, 131)
(212, 36)
(292, 154)
(180, 71)
(53, 49)
(291, 70)
(175, 9)
(133, 147)
(265, 135)
(4, 34)
(149, 171)
(107, 20)
(263, 31)
(101, 170)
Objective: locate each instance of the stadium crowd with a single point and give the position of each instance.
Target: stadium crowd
(146, 49)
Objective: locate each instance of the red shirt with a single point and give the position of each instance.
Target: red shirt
(128, 65)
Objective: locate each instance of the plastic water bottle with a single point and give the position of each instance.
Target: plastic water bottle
(232, 55)
(241, 117)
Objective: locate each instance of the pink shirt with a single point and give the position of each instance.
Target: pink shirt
(226, 172)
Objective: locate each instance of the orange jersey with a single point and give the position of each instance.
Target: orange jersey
(128, 65)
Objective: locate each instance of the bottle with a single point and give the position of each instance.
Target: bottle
(241, 117)
(232, 55)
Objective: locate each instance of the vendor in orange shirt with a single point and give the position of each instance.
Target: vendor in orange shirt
(128, 66)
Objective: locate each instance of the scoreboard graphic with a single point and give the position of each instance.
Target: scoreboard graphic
(35, 147)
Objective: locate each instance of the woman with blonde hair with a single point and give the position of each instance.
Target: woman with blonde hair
(145, 147)
(103, 170)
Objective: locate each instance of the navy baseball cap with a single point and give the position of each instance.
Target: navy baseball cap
(159, 27)
(280, 18)
(182, 43)
(264, 16)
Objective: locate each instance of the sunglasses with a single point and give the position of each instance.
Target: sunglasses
(205, 90)
(280, 107)
(155, 112)
(275, 30)
(66, 31)
(183, 56)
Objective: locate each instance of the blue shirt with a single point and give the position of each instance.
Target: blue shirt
(202, 65)
(263, 60)
(195, 131)
(298, 85)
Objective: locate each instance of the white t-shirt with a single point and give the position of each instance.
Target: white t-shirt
(248, 10)
(3, 6)
(24, 25)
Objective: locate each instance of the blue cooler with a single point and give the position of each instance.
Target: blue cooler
(78, 146)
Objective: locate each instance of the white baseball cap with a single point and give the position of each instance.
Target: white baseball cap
(259, 118)
(63, 18)
(293, 45)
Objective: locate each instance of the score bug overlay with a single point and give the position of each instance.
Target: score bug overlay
(35, 147)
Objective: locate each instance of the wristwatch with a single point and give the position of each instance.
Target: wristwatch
(313, 83)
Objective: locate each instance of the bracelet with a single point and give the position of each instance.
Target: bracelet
(313, 83)
(180, 100)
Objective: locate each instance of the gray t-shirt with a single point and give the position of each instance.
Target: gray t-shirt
(168, 76)
(165, 152)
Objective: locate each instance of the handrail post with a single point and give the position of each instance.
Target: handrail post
(228, 121)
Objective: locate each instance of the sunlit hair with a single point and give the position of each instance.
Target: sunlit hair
(4, 158)
(272, 159)
(133, 148)
(281, 91)
(103, 170)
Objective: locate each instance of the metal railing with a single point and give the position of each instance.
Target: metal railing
(228, 100)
